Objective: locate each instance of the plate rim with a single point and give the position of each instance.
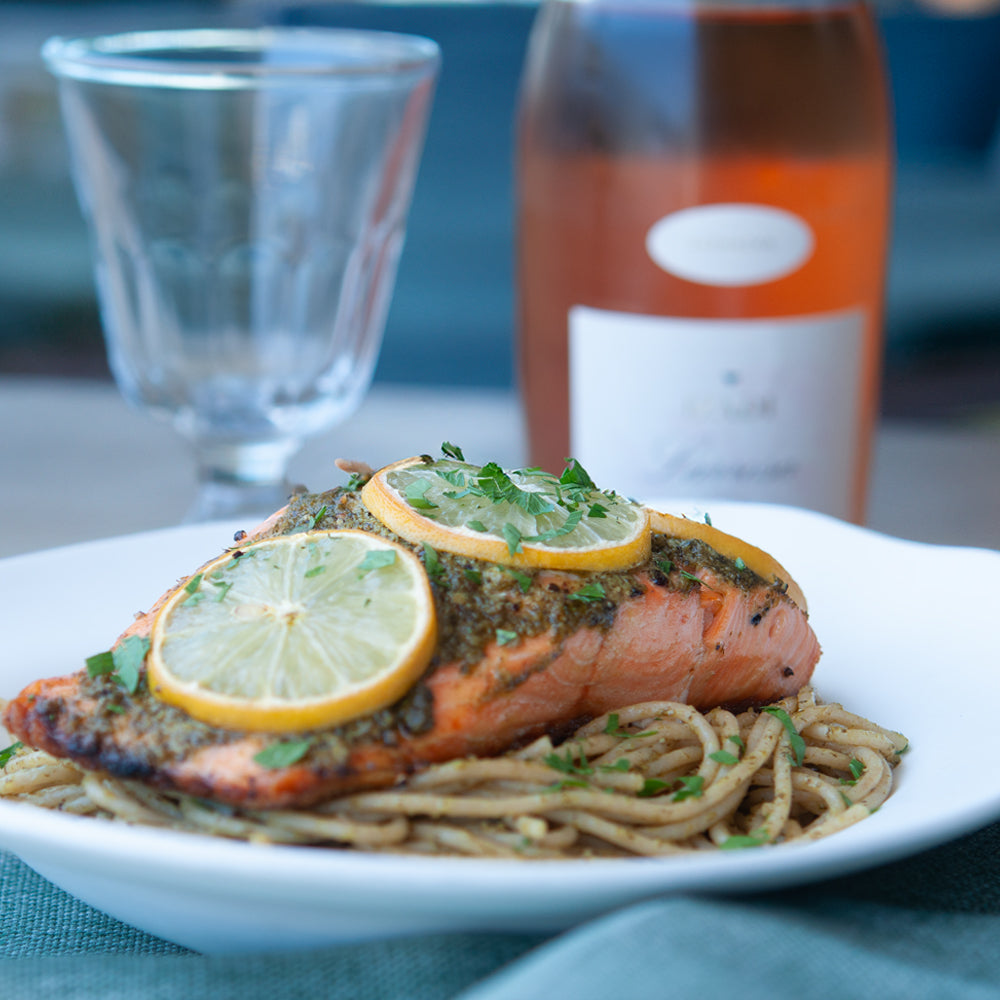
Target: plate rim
(851, 850)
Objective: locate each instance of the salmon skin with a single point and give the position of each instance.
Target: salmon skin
(687, 625)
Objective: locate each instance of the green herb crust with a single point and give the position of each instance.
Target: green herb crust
(477, 604)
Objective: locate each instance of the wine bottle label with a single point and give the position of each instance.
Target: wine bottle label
(759, 409)
(730, 245)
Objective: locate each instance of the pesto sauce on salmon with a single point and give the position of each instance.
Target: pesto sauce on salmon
(477, 604)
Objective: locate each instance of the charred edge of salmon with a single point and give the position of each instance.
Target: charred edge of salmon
(93, 721)
(35, 716)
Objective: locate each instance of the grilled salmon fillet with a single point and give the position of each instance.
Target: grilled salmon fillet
(687, 625)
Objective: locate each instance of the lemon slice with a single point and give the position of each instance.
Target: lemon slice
(757, 560)
(297, 632)
(526, 518)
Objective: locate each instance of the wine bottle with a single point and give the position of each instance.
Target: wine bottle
(703, 211)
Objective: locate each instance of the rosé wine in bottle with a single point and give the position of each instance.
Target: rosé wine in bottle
(703, 211)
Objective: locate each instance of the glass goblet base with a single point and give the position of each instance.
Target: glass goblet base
(243, 479)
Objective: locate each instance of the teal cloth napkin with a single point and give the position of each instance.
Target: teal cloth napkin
(927, 927)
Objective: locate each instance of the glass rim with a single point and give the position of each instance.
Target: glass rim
(122, 58)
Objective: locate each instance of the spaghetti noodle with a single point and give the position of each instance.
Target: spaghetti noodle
(658, 778)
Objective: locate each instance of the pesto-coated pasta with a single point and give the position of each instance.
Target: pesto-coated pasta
(658, 778)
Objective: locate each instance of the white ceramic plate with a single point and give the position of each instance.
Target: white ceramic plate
(906, 642)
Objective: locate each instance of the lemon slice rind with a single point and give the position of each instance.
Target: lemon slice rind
(299, 632)
(431, 503)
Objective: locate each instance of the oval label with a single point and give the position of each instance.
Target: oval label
(730, 244)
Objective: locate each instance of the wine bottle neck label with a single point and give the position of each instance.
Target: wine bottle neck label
(759, 409)
(730, 244)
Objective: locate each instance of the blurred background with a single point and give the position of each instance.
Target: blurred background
(452, 316)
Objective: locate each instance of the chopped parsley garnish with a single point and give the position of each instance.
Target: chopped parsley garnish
(692, 787)
(282, 754)
(739, 563)
(738, 740)
(320, 514)
(795, 741)
(857, 768)
(534, 510)
(191, 589)
(123, 663)
(650, 787)
(576, 475)
(494, 484)
(513, 538)
(8, 752)
(224, 585)
(128, 657)
(622, 764)
(456, 478)
(589, 592)
(432, 563)
(664, 566)
(724, 757)
(355, 481)
(376, 560)
(524, 581)
(572, 520)
(506, 637)
(100, 664)
(566, 783)
(569, 764)
(611, 728)
(415, 495)
(473, 575)
(755, 839)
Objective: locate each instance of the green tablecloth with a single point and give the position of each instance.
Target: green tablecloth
(927, 927)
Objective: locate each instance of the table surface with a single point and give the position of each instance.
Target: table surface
(76, 463)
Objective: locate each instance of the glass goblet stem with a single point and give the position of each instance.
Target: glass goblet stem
(241, 479)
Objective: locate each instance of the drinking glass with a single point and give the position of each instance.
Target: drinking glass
(246, 193)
